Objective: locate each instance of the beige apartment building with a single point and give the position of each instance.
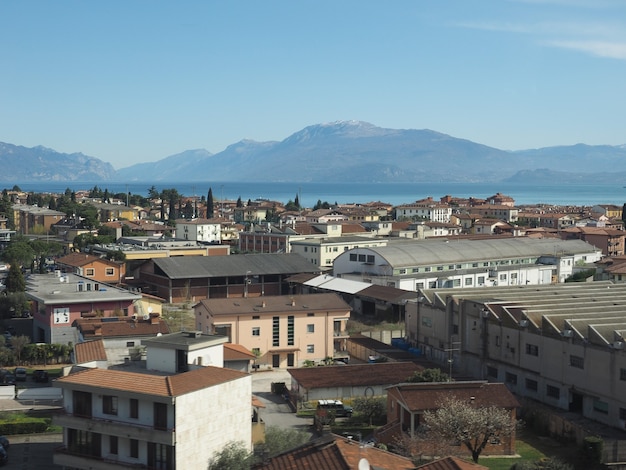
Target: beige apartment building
(282, 331)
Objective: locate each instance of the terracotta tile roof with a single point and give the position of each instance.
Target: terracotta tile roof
(150, 384)
(333, 452)
(89, 351)
(81, 259)
(236, 352)
(428, 396)
(452, 463)
(355, 375)
(125, 326)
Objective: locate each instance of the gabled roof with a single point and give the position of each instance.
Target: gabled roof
(332, 452)
(186, 267)
(82, 259)
(429, 395)
(112, 327)
(147, 383)
(384, 373)
(89, 351)
(452, 463)
(236, 352)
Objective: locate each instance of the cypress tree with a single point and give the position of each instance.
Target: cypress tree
(210, 212)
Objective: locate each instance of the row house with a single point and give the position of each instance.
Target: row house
(282, 331)
(59, 299)
(497, 211)
(500, 199)
(92, 267)
(199, 230)
(109, 212)
(325, 216)
(611, 269)
(253, 213)
(491, 227)
(549, 220)
(609, 210)
(427, 209)
(32, 219)
(610, 241)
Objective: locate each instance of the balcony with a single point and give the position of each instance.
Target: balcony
(341, 334)
(112, 427)
(64, 457)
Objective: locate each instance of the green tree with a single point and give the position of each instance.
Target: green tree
(370, 407)
(429, 375)
(209, 205)
(19, 252)
(239, 202)
(473, 426)
(296, 201)
(233, 456)
(15, 279)
(279, 440)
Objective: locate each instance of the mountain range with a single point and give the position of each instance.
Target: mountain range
(341, 151)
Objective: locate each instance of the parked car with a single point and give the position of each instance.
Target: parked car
(9, 379)
(335, 406)
(4, 456)
(20, 375)
(40, 376)
(4, 442)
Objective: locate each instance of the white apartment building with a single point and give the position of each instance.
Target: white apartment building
(434, 263)
(428, 209)
(323, 251)
(130, 417)
(199, 230)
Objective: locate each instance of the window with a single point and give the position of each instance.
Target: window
(600, 406)
(511, 378)
(113, 445)
(256, 331)
(310, 314)
(310, 348)
(130, 344)
(532, 385)
(291, 330)
(481, 280)
(362, 258)
(503, 277)
(468, 281)
(256, 351)
(622, 413)
(310, 328)
(255, 317)
(109, 271)
(134, 408)
(134, 448)
(474, 265)
(577, 361)
(370, 259)
(492, 372)
(276, 331)
(532, 349)
(622, 374)
(439, 268)
(427, 269)
(109, 405)
(553, 392)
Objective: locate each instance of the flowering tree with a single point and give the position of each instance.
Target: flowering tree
(471, 425)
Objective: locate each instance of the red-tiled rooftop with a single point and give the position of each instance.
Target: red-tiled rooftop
(150, 384)
(333, 452)
(89, 351)
(236, 352)
(428, 396)
(124, 326)
(384, 373)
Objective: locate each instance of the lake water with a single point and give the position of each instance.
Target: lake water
(393, 193)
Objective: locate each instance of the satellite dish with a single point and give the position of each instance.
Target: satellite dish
(364, 464)
(150, 309)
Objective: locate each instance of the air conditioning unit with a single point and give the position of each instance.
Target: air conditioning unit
(146, 316)
(133, 317)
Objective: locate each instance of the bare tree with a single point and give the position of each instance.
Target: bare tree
(470, 425)
(19, 343)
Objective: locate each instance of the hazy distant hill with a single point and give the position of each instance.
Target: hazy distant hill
(341, 151)
(42, 164)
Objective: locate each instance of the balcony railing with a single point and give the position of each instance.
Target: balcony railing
(338, 333)
(109, 426)
(65, 456)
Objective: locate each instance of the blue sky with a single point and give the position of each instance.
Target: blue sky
(134, 81)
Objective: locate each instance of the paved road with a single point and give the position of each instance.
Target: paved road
(277, 412)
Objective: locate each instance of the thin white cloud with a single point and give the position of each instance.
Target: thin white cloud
(612, 50)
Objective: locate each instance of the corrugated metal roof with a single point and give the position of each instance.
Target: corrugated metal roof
(186, 267)
(337, 284)
(426, 252)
